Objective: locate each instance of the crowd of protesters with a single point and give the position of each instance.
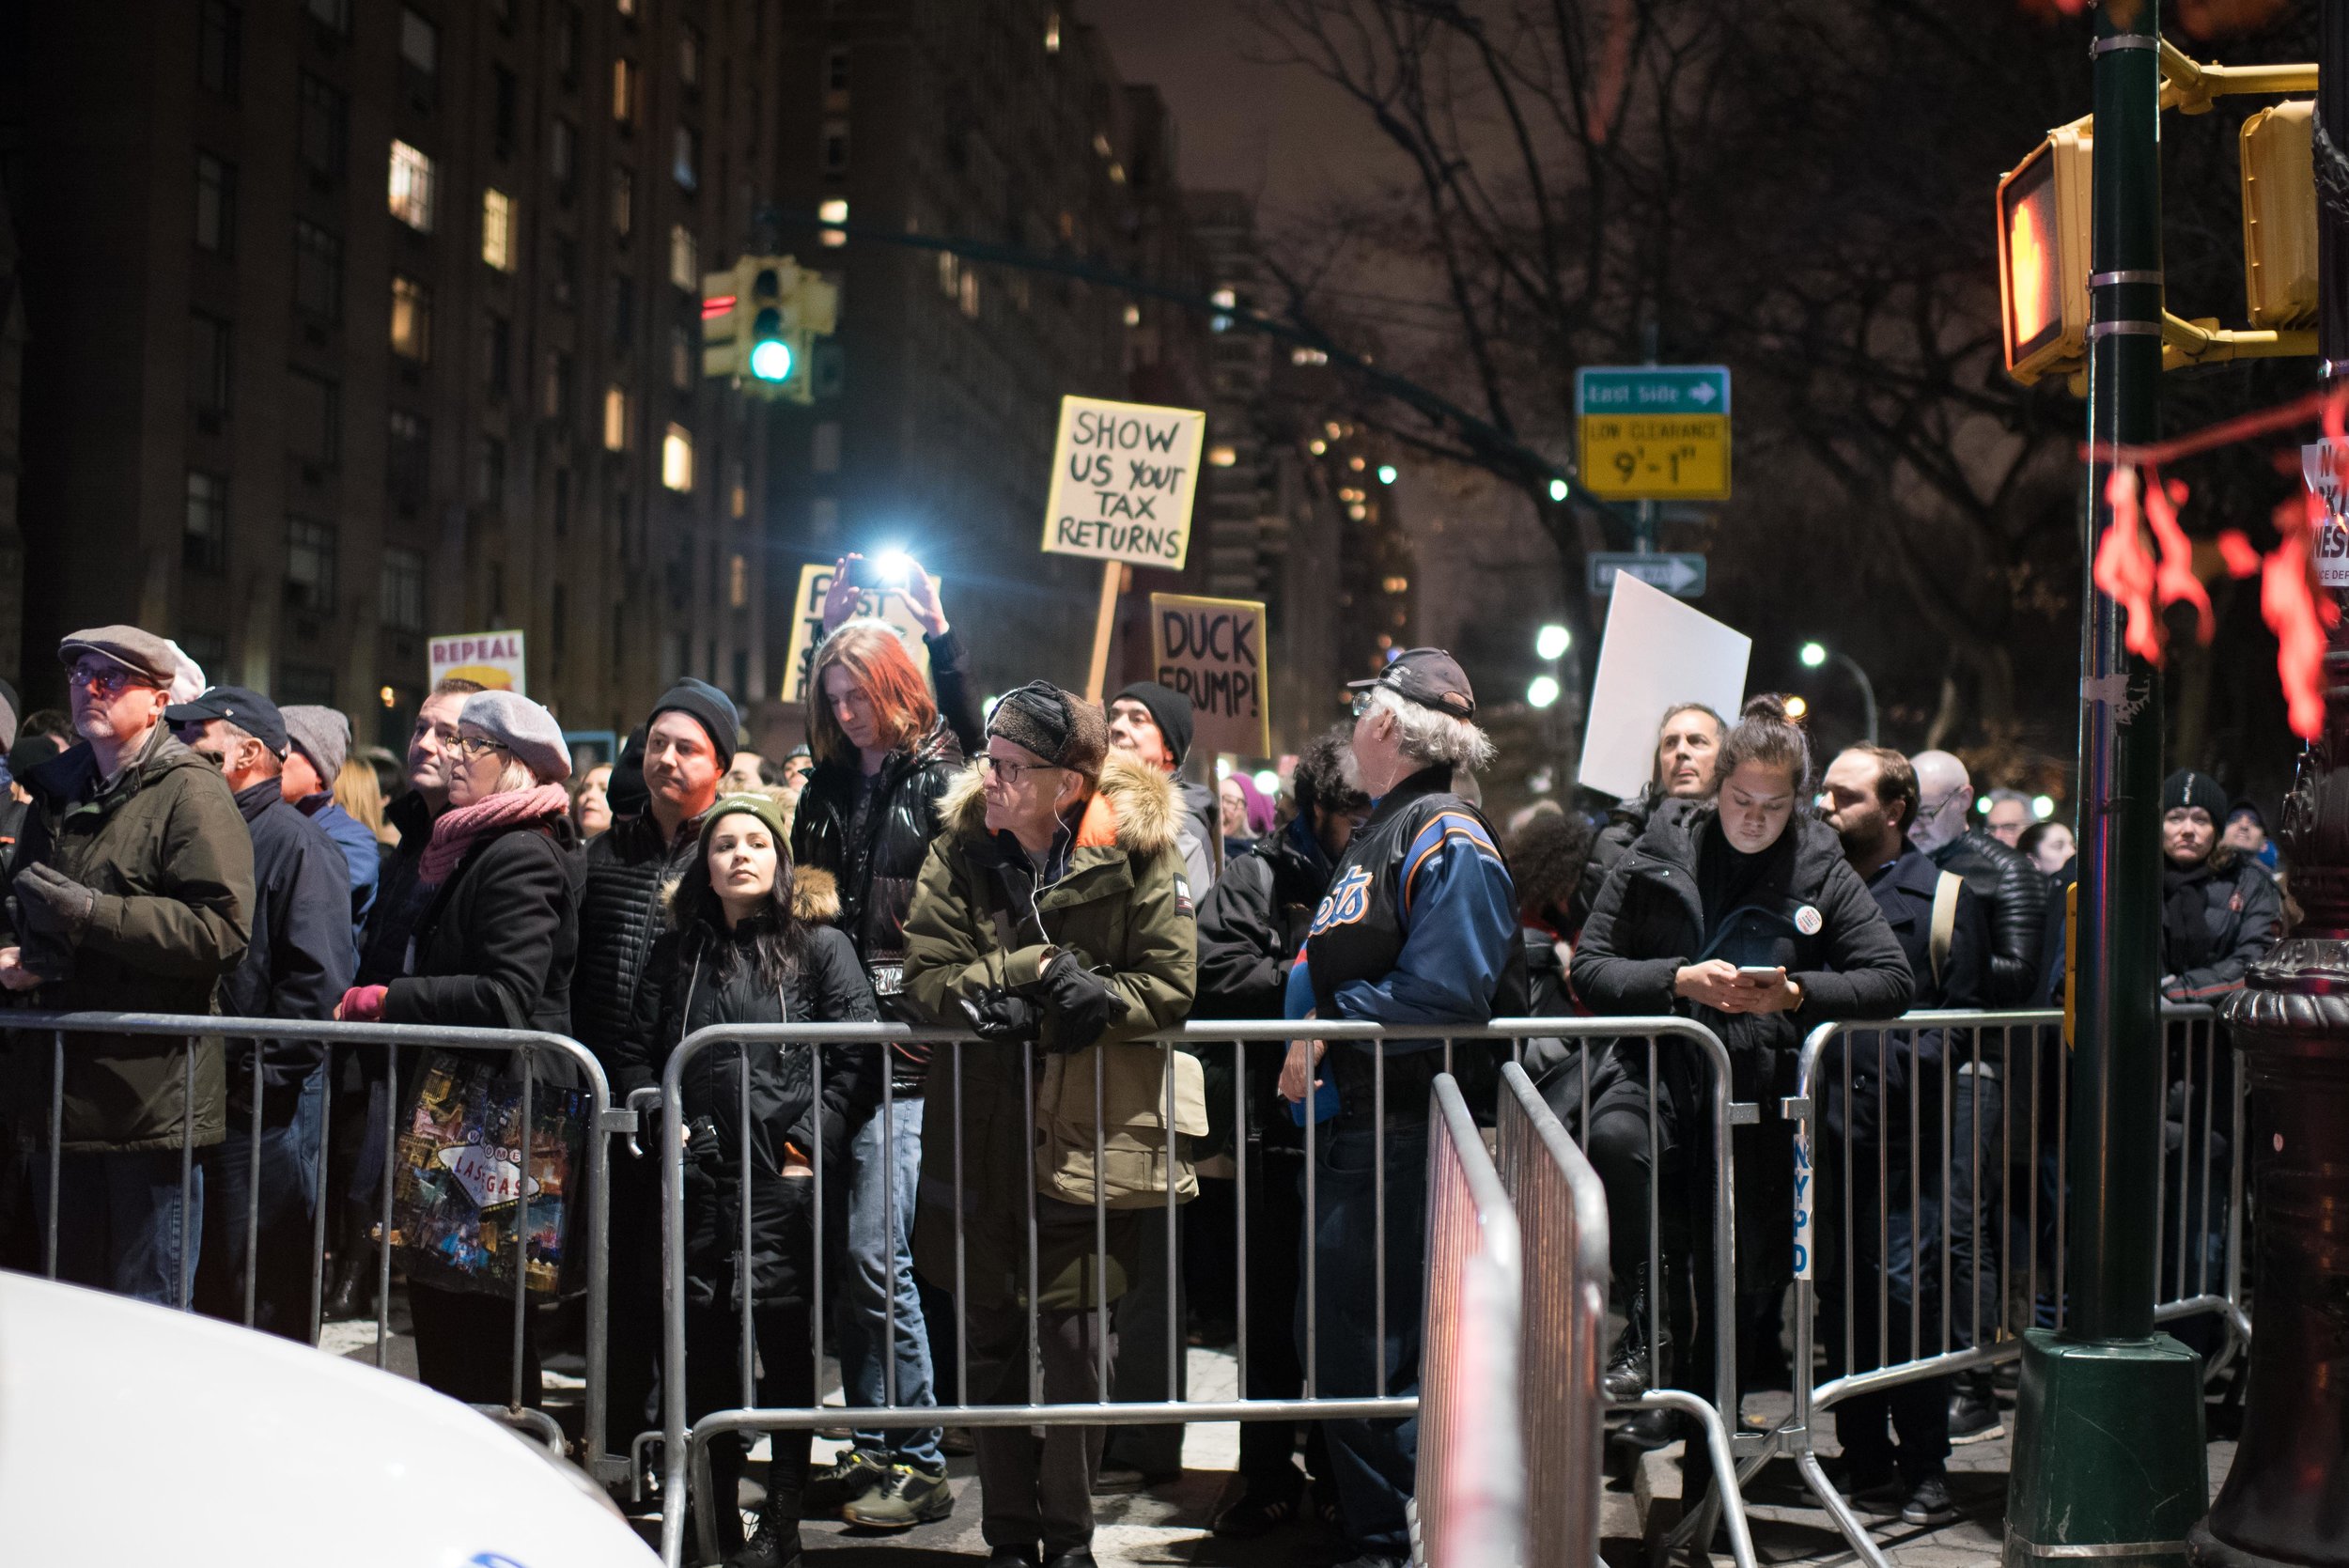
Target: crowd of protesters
(1042, 878)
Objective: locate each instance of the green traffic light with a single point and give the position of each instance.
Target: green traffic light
(771, 360)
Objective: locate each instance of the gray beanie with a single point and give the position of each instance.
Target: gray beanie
(524, 728)
(322, 735)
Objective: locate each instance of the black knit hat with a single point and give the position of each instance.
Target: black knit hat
(1059, 726)
(1169, 709)
(627, 793)
(707, 707)
(2186, 788)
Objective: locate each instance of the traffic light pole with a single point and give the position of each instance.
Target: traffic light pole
(2109, 1460)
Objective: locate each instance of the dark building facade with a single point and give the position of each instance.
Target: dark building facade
(352, 323)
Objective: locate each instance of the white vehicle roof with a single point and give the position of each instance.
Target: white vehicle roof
(128, 1428)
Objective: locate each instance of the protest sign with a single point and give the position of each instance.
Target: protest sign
(1211, 650)
(1124, 475)
(494, 658)
(1656, 651)
(2321, 467)
(807, 625)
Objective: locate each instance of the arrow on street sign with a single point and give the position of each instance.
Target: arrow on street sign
(1681, 576)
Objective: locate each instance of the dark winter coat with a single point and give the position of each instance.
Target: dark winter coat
(1883, 1062)
(300, 960)
(1648, 925)
(363, 855)
(1251, 925)
(876, 863)
(623, 872)
(688, 986)
(2216, 920)
(399, 898)
(1119, 904)
(169, 856)
(2013, 894)
(496, 942)
(1626, 821)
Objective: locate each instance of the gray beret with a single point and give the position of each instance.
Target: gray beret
(324, 735)
(524, 728)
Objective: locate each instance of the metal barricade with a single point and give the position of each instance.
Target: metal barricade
(1927, 1195)
(1470, 1509)
(525, 1047)
(956, 1057)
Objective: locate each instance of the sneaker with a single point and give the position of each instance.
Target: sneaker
(1974, 1419)
(1252, 1516)
(909, 1496)
(1930, 1504)
(843, 1481)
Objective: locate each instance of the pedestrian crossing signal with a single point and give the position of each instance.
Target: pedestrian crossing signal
(2043, 258)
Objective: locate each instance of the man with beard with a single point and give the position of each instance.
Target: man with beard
(1688, 744)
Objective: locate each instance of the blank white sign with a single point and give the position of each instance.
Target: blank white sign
(1656, 652)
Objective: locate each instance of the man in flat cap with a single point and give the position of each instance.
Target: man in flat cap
(132, 893)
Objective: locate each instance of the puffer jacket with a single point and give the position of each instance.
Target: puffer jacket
(1626, 821)
(167, 851)
(621, 876)
(1121, 907)
(2013, 894)
(877, 868)
(2216, 920)
(793, 1103)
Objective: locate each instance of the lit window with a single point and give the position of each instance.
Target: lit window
(497, 229)
(411, 319)
(419, 41)
(1133, 315)
(688, 57)
(1224, 298)
(949, 273)
(411, 187)
(677, 458)
(1223, 456)
(1052, 33)
(1100, 144)
(971, 293)
(686, 166)
(624, 92)
(1117, 172)
(738, 582)
(627, 8)
(685, 263)
(1396, 584)
(833, 212)
(615, 419)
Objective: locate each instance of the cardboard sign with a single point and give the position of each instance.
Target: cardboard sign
(2322, 467)
(1124, 475)
(807, 625)
(1656, 652)
(1211, 650)
(493, 658)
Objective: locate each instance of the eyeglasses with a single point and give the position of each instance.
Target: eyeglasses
(472, 746)
(1012, 772)
(108, 681)
(1934, 808)
(1362, 701)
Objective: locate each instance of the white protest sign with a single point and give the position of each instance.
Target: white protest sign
(493, 659)
(807, 625)
(1656, 651)
(2322, 467)
(1124, 475)
(1211, 650)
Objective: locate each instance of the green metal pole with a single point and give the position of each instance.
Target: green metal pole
(2108, 1457)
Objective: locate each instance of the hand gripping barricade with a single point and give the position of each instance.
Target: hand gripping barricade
(1916, 1171)
(686, 1442)
(532, 1054)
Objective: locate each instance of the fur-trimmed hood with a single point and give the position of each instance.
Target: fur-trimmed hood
(1132, 808)
(815, 897)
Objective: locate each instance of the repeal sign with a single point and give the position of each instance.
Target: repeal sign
(1124, 475)
(1211, 650)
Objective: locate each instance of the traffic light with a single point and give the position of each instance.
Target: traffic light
(2043, 257)
(760, 323)
(2279, 214)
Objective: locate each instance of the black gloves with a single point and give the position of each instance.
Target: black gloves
(1002, 1018)
(53, 905)
(1079, 1003)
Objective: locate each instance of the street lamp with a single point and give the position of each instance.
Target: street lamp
(1813, 655)
(1552, 642)
(1542, 691)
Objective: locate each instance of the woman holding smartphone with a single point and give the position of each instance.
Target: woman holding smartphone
(1740, 913)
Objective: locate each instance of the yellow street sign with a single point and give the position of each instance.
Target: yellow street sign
(1656, 456)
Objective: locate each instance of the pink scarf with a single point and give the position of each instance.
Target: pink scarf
(457, 830)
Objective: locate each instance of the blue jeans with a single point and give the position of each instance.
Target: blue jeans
(879, 1271)
(118, 1221)
(1377, 1462)
(288, 1179)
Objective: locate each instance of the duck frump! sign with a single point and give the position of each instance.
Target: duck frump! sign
(1211, 650)
(1124, 475)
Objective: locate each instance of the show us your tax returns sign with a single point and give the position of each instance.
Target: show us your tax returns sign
(1124, 475)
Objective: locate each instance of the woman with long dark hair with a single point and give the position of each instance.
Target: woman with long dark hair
(746, 944)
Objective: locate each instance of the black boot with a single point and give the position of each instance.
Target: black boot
(353, 1294)
(775, 1544)
(1627, 1376)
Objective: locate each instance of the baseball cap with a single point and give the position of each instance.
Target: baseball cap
(241, 706)
(1428, 677)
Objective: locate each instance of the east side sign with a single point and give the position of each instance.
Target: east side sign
(1124, 475)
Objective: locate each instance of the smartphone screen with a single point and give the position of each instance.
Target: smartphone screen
(1765, 974)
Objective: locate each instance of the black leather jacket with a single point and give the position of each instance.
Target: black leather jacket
(877, 869)
(2013, 894)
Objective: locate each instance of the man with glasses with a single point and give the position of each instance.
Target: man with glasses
(132, 888)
